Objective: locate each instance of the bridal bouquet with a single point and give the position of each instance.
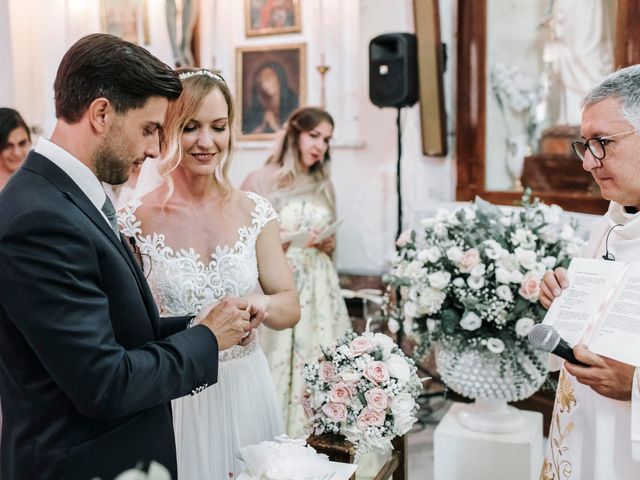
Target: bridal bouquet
(364, 388)
(469, 279)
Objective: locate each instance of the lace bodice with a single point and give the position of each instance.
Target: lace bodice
(182, 283)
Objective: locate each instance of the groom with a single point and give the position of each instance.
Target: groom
(87, 369)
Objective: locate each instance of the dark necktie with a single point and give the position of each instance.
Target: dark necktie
(110, 213)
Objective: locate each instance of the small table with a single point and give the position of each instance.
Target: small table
(338, 449)
(462, 454)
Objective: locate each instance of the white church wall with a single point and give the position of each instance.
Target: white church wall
(364, 147)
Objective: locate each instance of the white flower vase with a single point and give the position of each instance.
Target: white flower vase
(517, 150)
(480, 376)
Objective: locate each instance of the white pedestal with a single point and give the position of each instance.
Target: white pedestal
(462, 454)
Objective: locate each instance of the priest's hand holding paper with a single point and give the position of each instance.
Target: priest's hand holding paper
(552, 285)
(600, 309)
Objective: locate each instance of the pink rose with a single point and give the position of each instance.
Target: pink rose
(377, 372)
(404, 238)
(340, 393)
(470, 258)
(325, 371)
(530, 287)
(360, 345)
(336, 412)
(370, 417)
(377, 399)
(306, 406)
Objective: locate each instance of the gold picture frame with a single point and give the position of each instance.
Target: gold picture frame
(271, 84)
(271, 17)
(430, 77)
(128, 19)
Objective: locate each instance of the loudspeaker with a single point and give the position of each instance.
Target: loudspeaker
(393, 70)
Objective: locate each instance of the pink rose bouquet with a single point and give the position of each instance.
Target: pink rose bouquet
(363, 387)
(470, 278)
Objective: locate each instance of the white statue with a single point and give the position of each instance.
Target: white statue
(577, 54)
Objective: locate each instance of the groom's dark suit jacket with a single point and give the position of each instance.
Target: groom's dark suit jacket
(87, 369)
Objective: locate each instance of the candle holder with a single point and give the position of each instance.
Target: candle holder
(322, 69)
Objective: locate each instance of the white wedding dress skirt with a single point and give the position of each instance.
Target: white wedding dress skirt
(241, 408)
(212, 426)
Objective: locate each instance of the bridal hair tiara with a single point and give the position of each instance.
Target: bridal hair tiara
(215, 76)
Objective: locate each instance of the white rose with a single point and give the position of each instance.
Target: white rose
(508, 260)
(503, 275)
(402, 423)
(526, 258)
(439, 280)
(552, 213)
(393, 325)
(422, 255)
(549, 234)
(475, 283)
(402, 403)
(523, 326)
(398, 368)
(414, 270)
(349, 374)
(479, 270)
(470, 321)
(430, 300)
(454, 254)
(495, 345)
(504, 293)
(440, 230)
(385, 343)
(493, 250)
(410, 309)
(521, 237)
(458, 282)
(433, 254)
(516, 276)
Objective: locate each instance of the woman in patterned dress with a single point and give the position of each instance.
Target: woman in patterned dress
(296, 180)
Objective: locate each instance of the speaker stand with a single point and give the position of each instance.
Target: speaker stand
(398, 176)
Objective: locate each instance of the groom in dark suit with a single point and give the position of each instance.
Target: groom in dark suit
(87, 368)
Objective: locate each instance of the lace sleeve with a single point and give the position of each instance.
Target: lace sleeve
(127, 222)
(263, 212)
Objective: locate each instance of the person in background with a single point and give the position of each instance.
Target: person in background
(202, 240)
(595, 430)
(296, 180)
(15, 142)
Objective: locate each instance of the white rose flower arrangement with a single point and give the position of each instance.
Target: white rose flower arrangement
(364, 388)
(477, 286)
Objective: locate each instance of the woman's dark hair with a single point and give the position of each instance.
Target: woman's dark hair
(9, 121)
(102, 65)
(288, 98)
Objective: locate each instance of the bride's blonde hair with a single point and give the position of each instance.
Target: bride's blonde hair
(287, 153)
(196, 85)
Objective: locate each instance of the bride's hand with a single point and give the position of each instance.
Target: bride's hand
(257, 307)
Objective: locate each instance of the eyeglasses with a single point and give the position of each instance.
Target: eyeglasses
(595, 145)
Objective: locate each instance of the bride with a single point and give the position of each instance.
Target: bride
(200, 240)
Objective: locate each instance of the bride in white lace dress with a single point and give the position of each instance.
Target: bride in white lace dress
(200, 240)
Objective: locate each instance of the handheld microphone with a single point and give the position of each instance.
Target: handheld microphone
(544, 337)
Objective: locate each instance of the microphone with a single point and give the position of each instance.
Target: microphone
(607, 254)
(544, 337)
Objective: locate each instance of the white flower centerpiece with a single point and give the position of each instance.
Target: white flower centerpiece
(468, 284)
(363, 388)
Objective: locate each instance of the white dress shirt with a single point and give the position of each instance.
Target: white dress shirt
(78, 171)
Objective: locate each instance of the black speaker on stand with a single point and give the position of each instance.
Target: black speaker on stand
(393, 82)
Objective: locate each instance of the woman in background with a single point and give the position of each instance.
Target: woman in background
(296, 180)
(15, 142)
(200, 240)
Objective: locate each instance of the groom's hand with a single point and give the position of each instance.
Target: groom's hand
(229, 320)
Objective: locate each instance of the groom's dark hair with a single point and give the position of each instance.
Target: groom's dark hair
(102, 65)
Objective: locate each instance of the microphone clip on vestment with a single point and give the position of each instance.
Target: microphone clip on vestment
(607, 254)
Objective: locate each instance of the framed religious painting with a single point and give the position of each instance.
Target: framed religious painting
(127, 19)
(269, 17)
(271, 83)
